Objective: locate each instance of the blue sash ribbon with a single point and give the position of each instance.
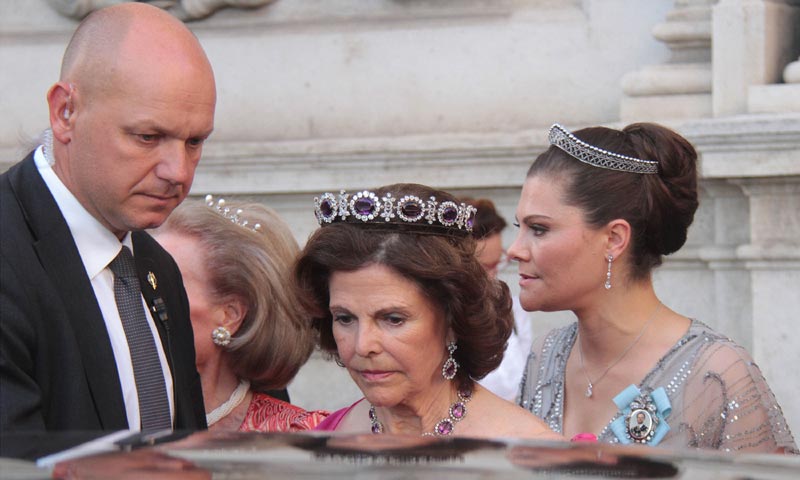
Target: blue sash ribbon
(623, 401)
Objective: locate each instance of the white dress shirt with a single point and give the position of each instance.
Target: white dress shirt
(97, 247)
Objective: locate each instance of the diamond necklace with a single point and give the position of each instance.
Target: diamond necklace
(622, 355)
(445, 426)
(233, 401)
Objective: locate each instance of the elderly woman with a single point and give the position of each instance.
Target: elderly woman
(399, 299)
(249, 334)
(598, 211)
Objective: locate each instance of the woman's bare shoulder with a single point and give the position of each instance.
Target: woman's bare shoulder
(509, 420)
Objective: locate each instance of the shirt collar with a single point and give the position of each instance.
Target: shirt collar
(96, 244)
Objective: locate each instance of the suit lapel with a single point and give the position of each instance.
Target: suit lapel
(62, 263)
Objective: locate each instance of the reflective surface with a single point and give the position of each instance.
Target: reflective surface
(300, 456)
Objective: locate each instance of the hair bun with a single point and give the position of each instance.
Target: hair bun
(672, 198)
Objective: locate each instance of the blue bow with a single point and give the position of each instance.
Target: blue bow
(657, 397)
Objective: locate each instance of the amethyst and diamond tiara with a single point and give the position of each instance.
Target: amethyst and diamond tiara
(367, 207)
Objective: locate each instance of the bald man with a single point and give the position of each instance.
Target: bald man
(128, 118)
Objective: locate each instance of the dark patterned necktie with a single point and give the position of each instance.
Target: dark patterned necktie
(150, 385)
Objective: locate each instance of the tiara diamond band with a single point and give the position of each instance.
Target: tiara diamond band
(575, 147)
(235, 216)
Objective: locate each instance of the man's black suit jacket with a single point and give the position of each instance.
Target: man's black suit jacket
(57, 368)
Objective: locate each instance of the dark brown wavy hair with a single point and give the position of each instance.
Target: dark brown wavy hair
(476, 307)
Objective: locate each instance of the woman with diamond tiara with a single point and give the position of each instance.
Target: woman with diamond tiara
(250, 337)
(598, 211)
(400, 300)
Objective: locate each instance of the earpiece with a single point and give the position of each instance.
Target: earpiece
(68, 105)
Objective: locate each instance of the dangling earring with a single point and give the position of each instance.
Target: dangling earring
(608, 273)
(450, 366)
(221, 336)
(338, 361)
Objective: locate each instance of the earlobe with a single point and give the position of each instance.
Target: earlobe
(451, 336)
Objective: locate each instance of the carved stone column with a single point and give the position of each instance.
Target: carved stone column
(733, 305)
(751, 176)
(791, 74)
(778, 98)
(680, 88)
(753, 41)
(773, 260)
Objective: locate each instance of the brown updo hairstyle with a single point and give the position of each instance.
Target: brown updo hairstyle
(659, 207)
(476, 307)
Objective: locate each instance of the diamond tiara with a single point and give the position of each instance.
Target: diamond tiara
(233, 216)
(597, 157)
(402, 212)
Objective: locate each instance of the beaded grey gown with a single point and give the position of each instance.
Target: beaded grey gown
(706, 392)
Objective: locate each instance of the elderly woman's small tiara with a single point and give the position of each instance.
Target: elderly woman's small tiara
(235, 216)
(399, 212)
(597, 157)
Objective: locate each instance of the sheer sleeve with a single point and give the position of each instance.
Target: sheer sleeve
(728, 406)
(525, 391)
(542, 386)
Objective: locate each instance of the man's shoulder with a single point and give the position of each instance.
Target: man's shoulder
(22, 167)
(6, 190)
(20, 190)
(150, 255)
(144, 244)
(12, 211)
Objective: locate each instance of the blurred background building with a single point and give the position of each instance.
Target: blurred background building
(323, 95)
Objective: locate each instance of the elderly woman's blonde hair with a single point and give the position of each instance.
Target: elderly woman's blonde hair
(255, 267)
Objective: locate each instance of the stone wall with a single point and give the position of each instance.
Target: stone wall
(322, 95)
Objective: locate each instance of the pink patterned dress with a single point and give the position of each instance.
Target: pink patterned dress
(268, 414)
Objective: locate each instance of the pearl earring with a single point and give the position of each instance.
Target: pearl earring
(221, 336)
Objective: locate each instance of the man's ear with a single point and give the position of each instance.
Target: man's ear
(61, 104)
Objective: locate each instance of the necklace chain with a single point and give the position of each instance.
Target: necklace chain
(233, 401)
(591, 384)
(445, 426)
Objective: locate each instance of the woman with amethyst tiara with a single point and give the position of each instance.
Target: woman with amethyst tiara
(598, 211)
(399, 299)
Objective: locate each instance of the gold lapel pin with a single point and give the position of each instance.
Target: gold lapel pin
(151, 279)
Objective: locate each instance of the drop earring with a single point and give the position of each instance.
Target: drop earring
(450, 366)
(608, 273)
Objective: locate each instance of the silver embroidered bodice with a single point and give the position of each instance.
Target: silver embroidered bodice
(719, 397)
